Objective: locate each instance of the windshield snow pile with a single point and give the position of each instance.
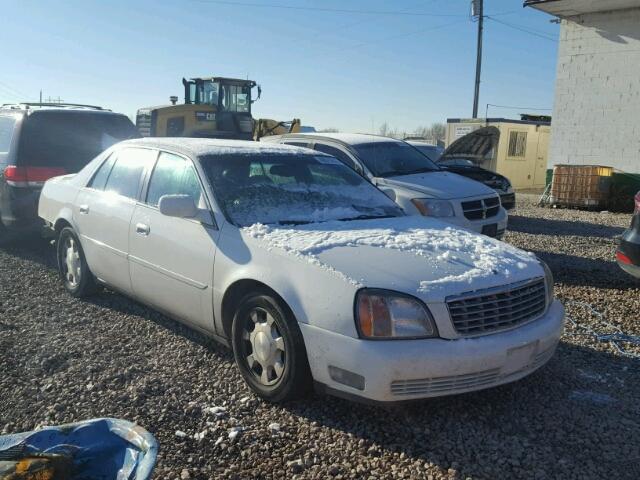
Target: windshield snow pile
(424, 238)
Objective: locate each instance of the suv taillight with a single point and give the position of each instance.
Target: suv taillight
(637, 202)
(30, 176)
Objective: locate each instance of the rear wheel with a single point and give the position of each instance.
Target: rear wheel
(269, 349)
(72, 265)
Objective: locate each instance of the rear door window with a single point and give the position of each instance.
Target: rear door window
(126, 174)
(100, 178)
(7, 125)
(70, 139)
(336, 152)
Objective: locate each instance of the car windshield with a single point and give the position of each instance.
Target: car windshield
(391, 159)
(431, 151)
(292, 189)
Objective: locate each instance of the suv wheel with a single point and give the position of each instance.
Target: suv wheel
(72, 265)
(269, 349)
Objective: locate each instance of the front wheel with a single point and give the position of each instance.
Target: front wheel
(269, 349)
(72, 265)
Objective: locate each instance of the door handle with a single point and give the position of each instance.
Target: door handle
(84, 209)
(142, 229)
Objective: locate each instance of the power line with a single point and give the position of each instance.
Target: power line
(12, 90)
(523, 29)
(338, 10)
(401, 35)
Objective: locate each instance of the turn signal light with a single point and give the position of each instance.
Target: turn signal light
(621, 257)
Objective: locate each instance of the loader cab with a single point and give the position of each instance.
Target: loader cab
(214, 107)
(224, 94)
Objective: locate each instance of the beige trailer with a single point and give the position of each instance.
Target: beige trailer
(522, 150)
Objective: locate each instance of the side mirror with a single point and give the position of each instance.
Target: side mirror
(180, 206)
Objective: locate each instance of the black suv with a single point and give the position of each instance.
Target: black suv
(40, 141)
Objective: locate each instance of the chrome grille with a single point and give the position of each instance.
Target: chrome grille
(497, 309)
(481, 209)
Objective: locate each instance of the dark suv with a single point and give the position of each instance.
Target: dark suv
(40, 141)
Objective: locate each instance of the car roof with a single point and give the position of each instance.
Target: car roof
(58, 107)
(348, 138)
(197, 147)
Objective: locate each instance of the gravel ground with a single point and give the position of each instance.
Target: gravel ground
(64, 360)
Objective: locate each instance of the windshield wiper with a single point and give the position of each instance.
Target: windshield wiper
(366, 217)
(293, 222)
(417, 170)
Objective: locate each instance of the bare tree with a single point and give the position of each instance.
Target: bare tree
(329, 130)
(434, 133)
(438, 131)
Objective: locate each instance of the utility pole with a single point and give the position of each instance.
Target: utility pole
(478, 12)
(40, 96)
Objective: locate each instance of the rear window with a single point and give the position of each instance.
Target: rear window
(7, 125)
(70, 139)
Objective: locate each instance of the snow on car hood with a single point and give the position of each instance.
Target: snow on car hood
(411, 254)
(443, 185)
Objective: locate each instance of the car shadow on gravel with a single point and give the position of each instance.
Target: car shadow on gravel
(127, 306)
(545, 226)
(589, 272)
(32, 248)
(552, 424)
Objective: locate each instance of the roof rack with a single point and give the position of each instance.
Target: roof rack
(27, 105)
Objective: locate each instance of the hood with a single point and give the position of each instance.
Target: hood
(443, 185)
(477, 146)
(415, 255)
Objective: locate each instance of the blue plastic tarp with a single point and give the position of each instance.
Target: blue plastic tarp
(101, 449)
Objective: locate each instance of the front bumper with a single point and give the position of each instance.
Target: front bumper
(400, 370)
(480, 226)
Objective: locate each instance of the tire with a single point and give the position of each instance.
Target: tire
(76, 277)
(265, 333)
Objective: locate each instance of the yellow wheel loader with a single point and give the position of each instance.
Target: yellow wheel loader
(214, 107)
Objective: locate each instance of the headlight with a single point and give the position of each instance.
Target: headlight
(548, 280)
(385, 314)
(433, 208)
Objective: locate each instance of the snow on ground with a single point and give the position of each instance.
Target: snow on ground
(425, 238)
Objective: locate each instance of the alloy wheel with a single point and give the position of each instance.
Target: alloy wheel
(71, 263)
(264, 347)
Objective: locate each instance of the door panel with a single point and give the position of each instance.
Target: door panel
(103, 223)
(103, 212)
(171, 264)
(171, 259)
(540, 174)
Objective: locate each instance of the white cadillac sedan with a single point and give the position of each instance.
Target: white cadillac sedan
(310, 274)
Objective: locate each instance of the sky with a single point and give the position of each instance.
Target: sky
(346, 64)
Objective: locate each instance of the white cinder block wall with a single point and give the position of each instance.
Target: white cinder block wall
(596, 117)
